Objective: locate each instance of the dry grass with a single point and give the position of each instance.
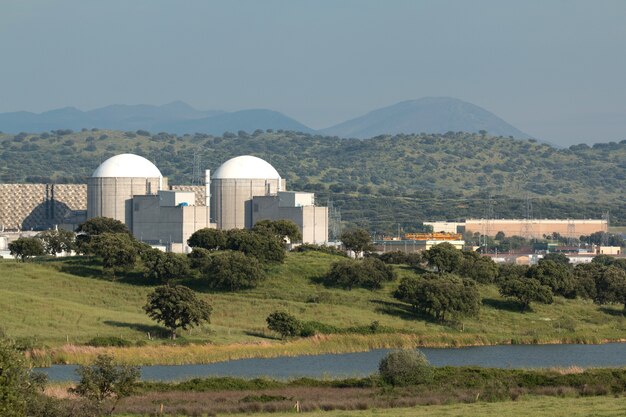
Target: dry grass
(568, 370)
(314, 399)
(60, 390)
(209, 353)
(281, 400)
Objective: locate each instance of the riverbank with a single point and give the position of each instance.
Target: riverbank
(316, 345)
(460, 389)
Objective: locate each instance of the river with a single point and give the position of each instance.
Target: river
(366, 363)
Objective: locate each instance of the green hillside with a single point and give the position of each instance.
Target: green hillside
(377, 183)
(67, 300)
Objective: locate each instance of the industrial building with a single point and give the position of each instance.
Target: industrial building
(526, 228)
(298, 207)
(112, 186)
(235, 183)
(417, 242)
(131, 189)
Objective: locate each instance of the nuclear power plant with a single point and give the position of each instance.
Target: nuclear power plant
(113, 184)
(131, 189)
(233, 186)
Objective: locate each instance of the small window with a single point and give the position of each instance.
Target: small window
(256, 208)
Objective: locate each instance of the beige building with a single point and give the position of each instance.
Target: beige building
(608, 250)
(529, 229)
(298, 207)
(168, 219)
(411, 245)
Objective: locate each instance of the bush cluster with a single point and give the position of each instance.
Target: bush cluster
(370, 273)
(405, 367)
(440, 295)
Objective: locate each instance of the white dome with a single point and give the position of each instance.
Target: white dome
(246, 167)
(127, 165)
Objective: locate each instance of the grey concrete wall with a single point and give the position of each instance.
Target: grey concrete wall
(112, 197)
(231, 200)
(312, 220)
(153, 223)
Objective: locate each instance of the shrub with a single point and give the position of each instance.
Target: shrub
(398, 257)
(556, 275)
(283, 323)
(282, 229)
(164, 266)
(526, 290)
(440, 295)
(369, 273)
(26, 247)
(263, 246)
(311, 328)
(444, 257)
(479, 268)
(308, 247)
(232, 271)
(103, 384)
(209, 239)
(405, 367)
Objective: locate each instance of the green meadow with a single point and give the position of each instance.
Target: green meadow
(57, 305)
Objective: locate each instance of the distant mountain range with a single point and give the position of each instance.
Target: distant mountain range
(428, 115)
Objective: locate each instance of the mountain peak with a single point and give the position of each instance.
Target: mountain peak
(428, 115)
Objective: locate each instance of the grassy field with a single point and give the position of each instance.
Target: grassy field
(525, 406)
(63, 303)
(530, 406)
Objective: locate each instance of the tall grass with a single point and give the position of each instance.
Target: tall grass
(209, 353)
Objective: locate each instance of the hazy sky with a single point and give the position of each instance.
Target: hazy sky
(555, 69)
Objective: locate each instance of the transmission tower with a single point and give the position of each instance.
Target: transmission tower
(527, 224)
(605, 235)
(571, 231)
(334, 222)
(196, 175)
(489, 215)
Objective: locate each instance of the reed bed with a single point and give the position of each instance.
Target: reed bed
(170, 354)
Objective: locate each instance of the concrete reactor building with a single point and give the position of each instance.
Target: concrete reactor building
(131, 189)
(235, 183)
(112, 186)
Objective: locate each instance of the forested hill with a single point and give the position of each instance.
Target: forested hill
(377, 183)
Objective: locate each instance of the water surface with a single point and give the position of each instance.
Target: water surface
(366, 363)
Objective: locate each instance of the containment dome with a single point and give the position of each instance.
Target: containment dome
(246, 167)
(127, 165)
